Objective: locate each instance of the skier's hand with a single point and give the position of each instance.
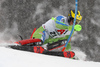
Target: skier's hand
(78, 27)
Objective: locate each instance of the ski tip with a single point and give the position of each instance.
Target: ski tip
(69, 54)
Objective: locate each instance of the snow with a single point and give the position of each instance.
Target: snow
(16, 58)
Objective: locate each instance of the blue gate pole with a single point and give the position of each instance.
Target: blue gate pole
(76, 5)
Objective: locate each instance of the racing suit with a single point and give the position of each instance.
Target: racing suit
(53, 31)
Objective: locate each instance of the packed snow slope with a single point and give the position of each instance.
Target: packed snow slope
(16, 58)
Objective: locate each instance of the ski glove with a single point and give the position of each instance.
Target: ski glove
(78, 27)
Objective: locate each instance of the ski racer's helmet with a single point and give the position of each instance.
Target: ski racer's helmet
(71, 16)
(60, 22)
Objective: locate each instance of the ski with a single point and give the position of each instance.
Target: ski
(56, 45)
(41, 50)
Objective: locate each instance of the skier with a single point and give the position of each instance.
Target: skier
(58, 29)
(53, 31)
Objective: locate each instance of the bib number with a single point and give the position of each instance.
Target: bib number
(57, 32)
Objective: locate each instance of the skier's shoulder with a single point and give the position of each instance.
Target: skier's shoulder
(48, 24)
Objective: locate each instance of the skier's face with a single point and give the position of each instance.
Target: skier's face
(71, 22)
